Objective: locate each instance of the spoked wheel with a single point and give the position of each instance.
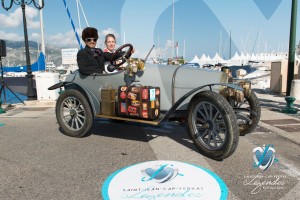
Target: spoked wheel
(212, 125)
(73, 113)
(247, 112)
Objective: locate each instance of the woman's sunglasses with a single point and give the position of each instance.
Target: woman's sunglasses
(91, 39)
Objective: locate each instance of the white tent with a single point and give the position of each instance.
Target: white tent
(248, 56)
(217, 59)
(235, 60)
(244, 59)
(195, 60)
(253, 57)
(203, 57)
(236, 56)
(261, 57)
(203, 60)
(208, 59)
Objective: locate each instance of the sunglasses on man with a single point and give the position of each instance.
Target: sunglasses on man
(91, 39)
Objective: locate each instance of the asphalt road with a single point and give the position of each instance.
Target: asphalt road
(38, 162)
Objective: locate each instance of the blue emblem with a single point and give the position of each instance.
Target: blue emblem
(160, 174)
(264, 157)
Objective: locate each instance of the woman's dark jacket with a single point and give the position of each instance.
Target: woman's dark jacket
(92, 60)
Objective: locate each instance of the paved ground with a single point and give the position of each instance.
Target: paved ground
(38, 162)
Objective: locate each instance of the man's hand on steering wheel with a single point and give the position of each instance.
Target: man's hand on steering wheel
(119, 57)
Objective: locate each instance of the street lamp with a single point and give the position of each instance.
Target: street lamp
(291, 58)
(31, 94)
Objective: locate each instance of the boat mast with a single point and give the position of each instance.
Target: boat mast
(254, 45)
(177, 46)
(73, 26)
(173, 42)
(258, 45)
(220, 42)
(78, 15)
(42, 29)
(159, 50)
(83, 13)
(183, 49)
(230, 44)
(124, 41)
(79, 6)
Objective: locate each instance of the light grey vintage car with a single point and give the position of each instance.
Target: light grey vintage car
(216, 108)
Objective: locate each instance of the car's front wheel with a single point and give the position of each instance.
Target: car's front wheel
(212, 125)
(247, 112)
(73, 113)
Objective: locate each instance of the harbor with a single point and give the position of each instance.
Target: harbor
(174, 99)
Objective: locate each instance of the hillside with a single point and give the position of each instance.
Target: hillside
(16, 55)
(20, 44)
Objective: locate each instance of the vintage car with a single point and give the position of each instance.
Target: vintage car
(216, 108)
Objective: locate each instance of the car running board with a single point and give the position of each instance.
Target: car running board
(153, 122)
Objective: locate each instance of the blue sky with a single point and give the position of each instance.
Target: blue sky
(203, 25)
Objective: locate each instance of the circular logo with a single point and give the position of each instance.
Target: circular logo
(164, 180)
(123, 95)
(123, 89)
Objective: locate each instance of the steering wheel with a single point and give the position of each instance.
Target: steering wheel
(119, 58)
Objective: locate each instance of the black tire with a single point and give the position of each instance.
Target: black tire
(73, 113)
(251, 102)
(212, 125)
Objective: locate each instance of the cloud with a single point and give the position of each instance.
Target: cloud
(164, 52)
(35, 37)
(10, 36)
(31, 13)
(63, 40)
(161, 52)
(19, 37)
(103, 34)
(15, 19)
(59, 39)
(167, 49)
(67, 39)
(108, 31)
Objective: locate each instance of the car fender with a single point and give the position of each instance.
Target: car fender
(195, 92)
(92, 99)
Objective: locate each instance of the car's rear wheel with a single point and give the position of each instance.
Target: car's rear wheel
(212, 125)
(73, 113)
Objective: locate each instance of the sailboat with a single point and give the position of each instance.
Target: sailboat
(39, 65)
(19, 84)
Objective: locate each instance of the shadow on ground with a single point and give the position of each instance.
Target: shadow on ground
(143, 132)
(273, 105)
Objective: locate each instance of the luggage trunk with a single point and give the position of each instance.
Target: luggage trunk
(108, 101)
(139, 101)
